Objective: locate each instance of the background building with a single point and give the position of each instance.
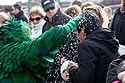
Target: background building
(63, 3)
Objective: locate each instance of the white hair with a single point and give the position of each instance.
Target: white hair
(4, 15)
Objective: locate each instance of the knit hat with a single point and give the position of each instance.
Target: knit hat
(47, 4)
(65, 65)
(90, 22)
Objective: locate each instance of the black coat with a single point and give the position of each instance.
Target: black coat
(116, 66)
(58, 19)
(118, 25)
(94, 57)
(21, 16)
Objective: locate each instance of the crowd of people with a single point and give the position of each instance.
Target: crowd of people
(90, 42)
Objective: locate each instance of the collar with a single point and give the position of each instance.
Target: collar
(19, 14)
(122, 10)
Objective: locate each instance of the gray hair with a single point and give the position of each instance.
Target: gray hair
(3, 15)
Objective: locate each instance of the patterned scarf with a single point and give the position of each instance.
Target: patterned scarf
(90, 22)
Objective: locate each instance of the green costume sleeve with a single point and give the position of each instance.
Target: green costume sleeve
(23, 60)
(71, 25)
(57, 35)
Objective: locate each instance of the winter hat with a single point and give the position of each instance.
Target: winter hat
(77, 2)
(90, 22)
(47, 4)
(65, 65)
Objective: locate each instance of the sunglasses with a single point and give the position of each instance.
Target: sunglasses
(48, 9)
(37, 19)
(79, 30)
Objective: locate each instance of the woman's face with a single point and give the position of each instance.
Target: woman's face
(81, 35)
(35, 18)
(65, 75)
(123, 2)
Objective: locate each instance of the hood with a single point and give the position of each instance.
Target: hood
(105, 37)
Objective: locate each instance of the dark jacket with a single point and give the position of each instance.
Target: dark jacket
(94, 57)
(58, 19)
(21, 16)
(118, 25)
(116, 66)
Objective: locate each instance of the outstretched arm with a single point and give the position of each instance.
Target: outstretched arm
(71, 25)
(57, 36)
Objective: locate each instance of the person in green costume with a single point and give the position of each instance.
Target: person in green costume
(23, 60)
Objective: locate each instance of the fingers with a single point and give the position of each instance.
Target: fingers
(121, 76)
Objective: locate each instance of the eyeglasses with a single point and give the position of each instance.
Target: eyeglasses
(37, 19)
(51, 8)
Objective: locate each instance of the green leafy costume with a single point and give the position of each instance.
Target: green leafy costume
(23, 60)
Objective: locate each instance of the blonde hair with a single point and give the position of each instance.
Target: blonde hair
(99, 12)
(38, 10)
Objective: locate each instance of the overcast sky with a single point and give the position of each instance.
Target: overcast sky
(10, 2)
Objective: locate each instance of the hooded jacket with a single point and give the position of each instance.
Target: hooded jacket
(116, 66)
(94, 57)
